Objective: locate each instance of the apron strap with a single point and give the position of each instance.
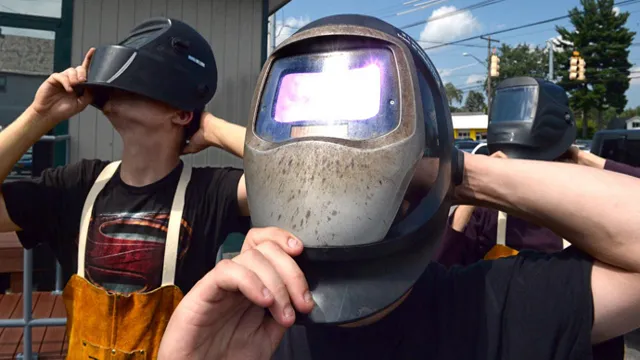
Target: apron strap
(87, 209)
(502, 229)
(173, 231)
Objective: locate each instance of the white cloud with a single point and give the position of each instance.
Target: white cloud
(290, 26)
(451, 27)
(475, 79)
(49, 8)
(635, 81)
(616, 10)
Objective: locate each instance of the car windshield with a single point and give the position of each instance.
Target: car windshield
(467, 145)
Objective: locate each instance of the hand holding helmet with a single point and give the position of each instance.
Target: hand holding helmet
(585, 158)
(223, 316)
(56, 100)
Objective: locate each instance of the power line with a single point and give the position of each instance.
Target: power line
(423, 6)
(626, 2)
(451, 13)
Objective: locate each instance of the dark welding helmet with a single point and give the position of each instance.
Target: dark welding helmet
(345, 111)
(162, 59)
(530, 119)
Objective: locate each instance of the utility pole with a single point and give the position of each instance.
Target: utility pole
(272, 33)
(550, 75)
(489, 41)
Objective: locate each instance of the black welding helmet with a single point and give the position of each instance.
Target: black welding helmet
(162, 59)
(530, 119)
(344, 113)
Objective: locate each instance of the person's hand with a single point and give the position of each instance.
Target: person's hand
(223, 316)
(579, 157)
(499, 154)
(202, 138)
(56, 99)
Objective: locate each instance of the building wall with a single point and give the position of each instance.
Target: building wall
(633, 123)
(470, 133)
(25, 62)
(232, 27)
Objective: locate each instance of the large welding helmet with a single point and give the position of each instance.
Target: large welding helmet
(345, 112)
(162, 59)
(530, 119)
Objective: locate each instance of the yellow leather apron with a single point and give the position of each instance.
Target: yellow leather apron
(500, 249)
(104, 325)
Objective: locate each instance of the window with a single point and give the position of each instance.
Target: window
(622, 150)
(463, 134)
(481, 136)
(635, 124)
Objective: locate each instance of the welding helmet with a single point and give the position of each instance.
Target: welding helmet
(530, 119)
(344, 113)
(162, 59)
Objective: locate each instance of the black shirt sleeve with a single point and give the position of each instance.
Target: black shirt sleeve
(530, 306)
(223, 198)
(47, 208)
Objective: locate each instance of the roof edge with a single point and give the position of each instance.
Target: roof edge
(275, 5)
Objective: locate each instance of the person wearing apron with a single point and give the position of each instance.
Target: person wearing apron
(133, 235)
(106, 325)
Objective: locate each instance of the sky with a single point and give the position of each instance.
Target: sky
(462, 71)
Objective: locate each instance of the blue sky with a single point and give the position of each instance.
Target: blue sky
(460, 70)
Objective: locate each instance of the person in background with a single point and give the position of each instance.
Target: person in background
(476, 233)
(138, 233)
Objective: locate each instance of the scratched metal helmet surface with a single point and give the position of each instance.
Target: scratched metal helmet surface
(344, 111)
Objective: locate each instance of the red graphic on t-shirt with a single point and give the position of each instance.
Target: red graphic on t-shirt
(125, 252)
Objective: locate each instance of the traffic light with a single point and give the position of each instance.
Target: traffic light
(495, 66)
(581, 68)
(577, 67)
(573, 66)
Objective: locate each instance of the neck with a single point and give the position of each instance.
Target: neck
(146, 160)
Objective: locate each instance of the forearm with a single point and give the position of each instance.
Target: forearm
(18, 137)
(228, 136)
(461, 217)
(595, 210)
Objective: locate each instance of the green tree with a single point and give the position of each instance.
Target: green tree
(521, 60)
(603, 40)
(453, 95)
(475, 102)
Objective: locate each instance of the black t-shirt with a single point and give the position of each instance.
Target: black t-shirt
(530, 306)
(125, 242)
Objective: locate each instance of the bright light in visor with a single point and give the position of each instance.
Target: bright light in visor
(337, 94)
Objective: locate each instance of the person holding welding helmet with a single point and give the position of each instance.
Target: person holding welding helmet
(529, 119)
(138, 233)
(350, 151)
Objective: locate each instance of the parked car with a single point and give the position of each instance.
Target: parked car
(584, 145)
(618, 145)
(467, 146)
(25, 164)
(481, 149)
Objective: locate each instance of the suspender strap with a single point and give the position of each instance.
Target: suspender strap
(173, 231)
(87, 209)
(502, 229)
